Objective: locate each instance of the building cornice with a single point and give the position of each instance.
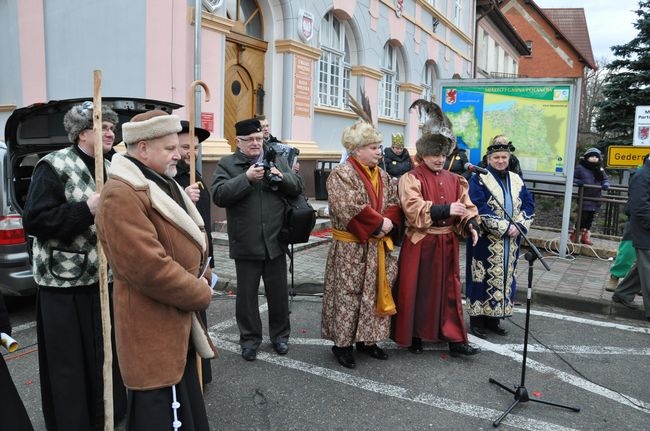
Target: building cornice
(212, 21)
(367, 71)
(411, 88)
(7, 108)
(295, 47)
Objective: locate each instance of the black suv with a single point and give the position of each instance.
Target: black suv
(31, 133)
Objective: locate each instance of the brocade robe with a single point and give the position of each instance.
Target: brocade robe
(350, 286)
(427, 293)
(490, 265)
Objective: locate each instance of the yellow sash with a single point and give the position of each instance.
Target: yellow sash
(385, 305)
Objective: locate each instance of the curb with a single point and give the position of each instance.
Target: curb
(581, 304)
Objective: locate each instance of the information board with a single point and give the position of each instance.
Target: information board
(534, 117)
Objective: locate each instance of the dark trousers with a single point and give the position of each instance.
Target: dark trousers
(637, 280)
(586, 219)
(274, 274)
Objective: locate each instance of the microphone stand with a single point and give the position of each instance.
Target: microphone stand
(520, 392)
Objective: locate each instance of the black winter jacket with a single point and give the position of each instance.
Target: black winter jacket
(397, 165)
(254, 212)
(639, 207)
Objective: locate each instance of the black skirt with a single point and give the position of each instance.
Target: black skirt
(13, 415)
(71, 358)
(152, 410)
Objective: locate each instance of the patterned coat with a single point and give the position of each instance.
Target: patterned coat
(490, 265)
(351, 273)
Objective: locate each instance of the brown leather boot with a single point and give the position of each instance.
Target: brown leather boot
(584, 237)
(572, 236)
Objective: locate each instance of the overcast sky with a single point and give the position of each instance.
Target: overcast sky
(610, 22)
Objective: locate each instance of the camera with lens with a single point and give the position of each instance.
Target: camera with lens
(268, 162)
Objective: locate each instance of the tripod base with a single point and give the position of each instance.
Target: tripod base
(521, 396)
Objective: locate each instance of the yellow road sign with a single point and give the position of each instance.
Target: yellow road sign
(625, 156)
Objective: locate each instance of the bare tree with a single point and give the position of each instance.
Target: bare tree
(588, 135)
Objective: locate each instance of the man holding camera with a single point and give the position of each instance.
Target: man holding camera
(251, 186)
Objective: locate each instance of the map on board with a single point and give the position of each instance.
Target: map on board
(533, 117)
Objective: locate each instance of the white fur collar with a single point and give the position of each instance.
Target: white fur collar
(190, 222)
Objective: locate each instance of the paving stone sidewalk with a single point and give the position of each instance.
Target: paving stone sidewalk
(574, 282)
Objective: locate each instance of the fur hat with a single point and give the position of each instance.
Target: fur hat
(247, 127)
(200, 133)
(359, 135)
(437, 122)
(150, 125)
(433, 144)
(362, 132)
(80, 118)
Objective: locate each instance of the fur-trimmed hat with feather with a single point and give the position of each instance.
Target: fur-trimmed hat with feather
(362, 132)
(437, 133)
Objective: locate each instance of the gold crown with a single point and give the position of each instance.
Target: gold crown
(397, 140)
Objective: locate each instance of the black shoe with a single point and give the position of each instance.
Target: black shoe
(497, 329)
(478, 331)
(623, 302)
(248, 353)
(344, 356)
(281, 347)
(458, 349)
(373, 350)
(416, 345)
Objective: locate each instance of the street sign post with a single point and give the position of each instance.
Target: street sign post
(641, 126)
(625, 156)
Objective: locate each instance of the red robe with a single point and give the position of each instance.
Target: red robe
(428, 297)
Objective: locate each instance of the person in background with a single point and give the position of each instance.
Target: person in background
(626, 254)
(513, 164)
(491, 263)
(13, 415)
(253, 196)
(60, 213)
(437, 209)
(199, 194)
(397, 160)
(156, 245)
(638, 278)
(457, 159)
(360, 269)
(589, 171)
(289, 153)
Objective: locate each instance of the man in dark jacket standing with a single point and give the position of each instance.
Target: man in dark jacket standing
(638, 278)
(253, 196)
(397, 160)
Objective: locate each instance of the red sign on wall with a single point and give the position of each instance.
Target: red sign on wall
(207, 121)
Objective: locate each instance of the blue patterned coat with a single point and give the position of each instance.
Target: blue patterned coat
(490, 265)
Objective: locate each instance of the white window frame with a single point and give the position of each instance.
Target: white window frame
(458, 12)
(389, 90)
(429, 78)
(334, 68)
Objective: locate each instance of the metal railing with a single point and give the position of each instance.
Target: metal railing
(613, 202)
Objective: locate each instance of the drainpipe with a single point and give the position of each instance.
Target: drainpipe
(198, 9)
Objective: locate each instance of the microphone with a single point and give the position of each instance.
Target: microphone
(473, 168)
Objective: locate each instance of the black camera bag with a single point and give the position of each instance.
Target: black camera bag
(299, 220)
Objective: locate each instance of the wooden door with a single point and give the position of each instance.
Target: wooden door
(244, 81)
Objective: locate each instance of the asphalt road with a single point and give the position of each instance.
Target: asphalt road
(594, 364)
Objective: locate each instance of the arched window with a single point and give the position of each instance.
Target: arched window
(389, 96)
(247, 16)
(429, 77)
(334, 68)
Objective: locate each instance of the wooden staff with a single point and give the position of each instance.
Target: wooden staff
(103, 270)
(192, 98)
(192, 102)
